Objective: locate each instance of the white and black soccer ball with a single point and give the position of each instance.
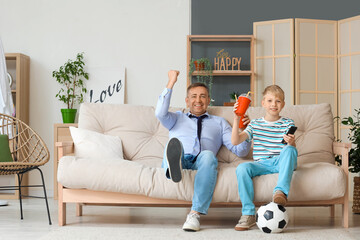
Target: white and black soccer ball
(272, 218)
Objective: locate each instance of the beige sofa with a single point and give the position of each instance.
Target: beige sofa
(138, 179)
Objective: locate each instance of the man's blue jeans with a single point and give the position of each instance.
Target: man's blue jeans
(205, 178)
(284, 164)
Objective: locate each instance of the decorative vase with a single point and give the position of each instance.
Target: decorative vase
(356, 202)
(199, 66)
(68, 115)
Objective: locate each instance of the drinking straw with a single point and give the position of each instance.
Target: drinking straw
(235, 97)
(247, 95)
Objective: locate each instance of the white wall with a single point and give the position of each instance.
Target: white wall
(146, 37)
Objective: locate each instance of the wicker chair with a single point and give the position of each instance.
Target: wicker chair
(28, 151)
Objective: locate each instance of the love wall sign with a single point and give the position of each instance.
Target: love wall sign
(106, 85)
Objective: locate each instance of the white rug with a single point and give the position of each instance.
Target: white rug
(109, 233)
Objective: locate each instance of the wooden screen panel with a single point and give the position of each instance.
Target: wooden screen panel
(316, 65)
(307, 37)
(263, 45)
(355, 35)
(348, 81)
(307, 79)
(344, 75)
(326, 98)
(326, 73)
(282, 38)
(263, 78)
(307, 98)
(355, 99)
(345, 107)
(349, 75)
(283, 75)
(274, 61)
(327, 38)
(355, 72)
(316, 62)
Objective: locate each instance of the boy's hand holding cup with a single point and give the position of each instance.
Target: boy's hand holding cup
(240, 108)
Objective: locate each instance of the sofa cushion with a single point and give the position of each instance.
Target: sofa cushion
(94, 145)
(311, 181)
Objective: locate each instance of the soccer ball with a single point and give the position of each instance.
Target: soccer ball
(272, 218)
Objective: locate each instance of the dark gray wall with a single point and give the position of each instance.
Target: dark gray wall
(237, 17)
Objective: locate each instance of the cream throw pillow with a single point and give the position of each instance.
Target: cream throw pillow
(90, 144)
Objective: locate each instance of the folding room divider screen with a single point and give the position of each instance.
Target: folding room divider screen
(314, 61)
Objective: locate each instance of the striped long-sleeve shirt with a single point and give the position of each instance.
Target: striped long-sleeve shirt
(267, 136)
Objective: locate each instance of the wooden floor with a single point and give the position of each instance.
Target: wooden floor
(35, 222)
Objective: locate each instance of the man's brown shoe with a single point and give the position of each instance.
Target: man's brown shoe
(280, 198)
(245, 222)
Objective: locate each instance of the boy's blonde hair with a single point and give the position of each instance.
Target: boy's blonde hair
(276, 90)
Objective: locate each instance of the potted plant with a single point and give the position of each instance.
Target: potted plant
(203, 67)
(71, 76)
(354, 155)
(204, 71)
(233, 96)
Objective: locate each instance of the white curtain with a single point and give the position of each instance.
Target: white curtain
(6, 101)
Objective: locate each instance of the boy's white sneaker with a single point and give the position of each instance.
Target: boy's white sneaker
(245, 222)
(192, 223)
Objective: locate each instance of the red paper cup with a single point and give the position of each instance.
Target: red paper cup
(243, 105)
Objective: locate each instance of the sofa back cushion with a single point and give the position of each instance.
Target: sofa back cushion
(142, 135)
(144, 138)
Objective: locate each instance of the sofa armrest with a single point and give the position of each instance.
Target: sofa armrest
(343, 150)
(65, 148)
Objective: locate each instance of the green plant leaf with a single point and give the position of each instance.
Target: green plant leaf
(354, 137)
(351, 121)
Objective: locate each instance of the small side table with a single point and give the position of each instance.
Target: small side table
(61, 134)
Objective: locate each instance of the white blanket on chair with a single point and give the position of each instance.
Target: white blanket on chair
(6, 101)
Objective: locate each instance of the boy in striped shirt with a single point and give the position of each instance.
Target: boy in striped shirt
(270, 155)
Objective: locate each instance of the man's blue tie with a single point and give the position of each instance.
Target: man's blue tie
(199, 128)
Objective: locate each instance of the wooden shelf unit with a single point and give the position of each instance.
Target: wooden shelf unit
(223, 38)
(18, 65)
(21, 83)
(229, 104)
(225, 73)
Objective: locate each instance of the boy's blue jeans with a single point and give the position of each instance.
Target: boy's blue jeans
(285, 163)
(205, 178)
